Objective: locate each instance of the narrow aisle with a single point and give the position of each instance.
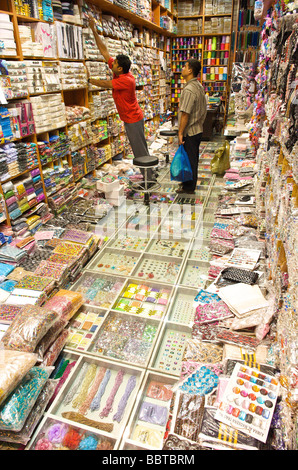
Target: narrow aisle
(151, 349)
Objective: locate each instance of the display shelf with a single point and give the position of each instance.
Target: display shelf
(203, 53)
(168, 354)
(99, 290)
(147, 424)
(109, 423)
(181, 310)
(110, 261)
(127, 338)
(79, 95)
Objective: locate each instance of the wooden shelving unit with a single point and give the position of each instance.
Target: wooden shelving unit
(152, 36)
(215, 60)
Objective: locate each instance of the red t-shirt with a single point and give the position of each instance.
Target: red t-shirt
(124, 94)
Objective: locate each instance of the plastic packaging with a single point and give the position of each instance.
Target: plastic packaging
(65, 303)
(28, 328)
(23, 436)
(180, 167)
(15, 410)
(50, 337)
(14, 365)
(188, 419)
(154, 414)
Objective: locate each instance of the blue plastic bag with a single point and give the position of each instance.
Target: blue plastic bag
(180, 167)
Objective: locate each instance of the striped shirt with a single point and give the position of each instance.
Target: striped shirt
(193, 102)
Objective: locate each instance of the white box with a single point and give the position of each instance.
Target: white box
(117, 201)
(115, 193)
(108, 187)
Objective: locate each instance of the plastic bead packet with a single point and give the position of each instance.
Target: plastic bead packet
(50, 337)
(153, 413)
(148, 436)
(65, 303)
(174, 442)
(69, 248)
(8, 313)
(202, 382)
(189, 367)
(202, 352)
(23, 436)
(211, 312)
(216, 334)
(57, 271)
(36, 283)
(187, 415)
(216, 435)
(220, 246)
(258, 355)
(265, 368)
(55, 349)
(159, 391)
(56, 435)
(28, 328)
(15, 410)
(76, 236)
(14, 365)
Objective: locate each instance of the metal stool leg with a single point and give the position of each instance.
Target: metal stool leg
(146, 194)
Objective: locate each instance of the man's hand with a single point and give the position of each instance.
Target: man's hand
(92, 22)
(180, 138)
(99, 42)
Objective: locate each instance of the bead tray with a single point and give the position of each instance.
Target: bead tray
(204, 231)
(50, 428)
(182, 308)
(165, 270)
(99, 290)
(169, 351)
(110, 426)
(113, 262)
(124, 241)
(168, 247)
(83, 327)
(199, 251)
(126, 338)
(144, 299)
(195, 274)
(148, 421)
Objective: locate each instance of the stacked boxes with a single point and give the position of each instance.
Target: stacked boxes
(13, 79)
(73, 75)
(7, 42)
(49, 112)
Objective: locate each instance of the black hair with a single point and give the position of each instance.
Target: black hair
(124, 62)
(195, 66)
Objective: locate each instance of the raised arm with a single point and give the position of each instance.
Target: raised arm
(99, 42)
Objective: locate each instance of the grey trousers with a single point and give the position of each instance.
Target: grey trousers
(136, 135)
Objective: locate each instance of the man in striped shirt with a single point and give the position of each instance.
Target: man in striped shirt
(191, 116)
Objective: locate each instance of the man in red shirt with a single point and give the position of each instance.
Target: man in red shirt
(123, 87)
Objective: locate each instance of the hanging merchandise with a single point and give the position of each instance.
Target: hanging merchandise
(258, 11)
